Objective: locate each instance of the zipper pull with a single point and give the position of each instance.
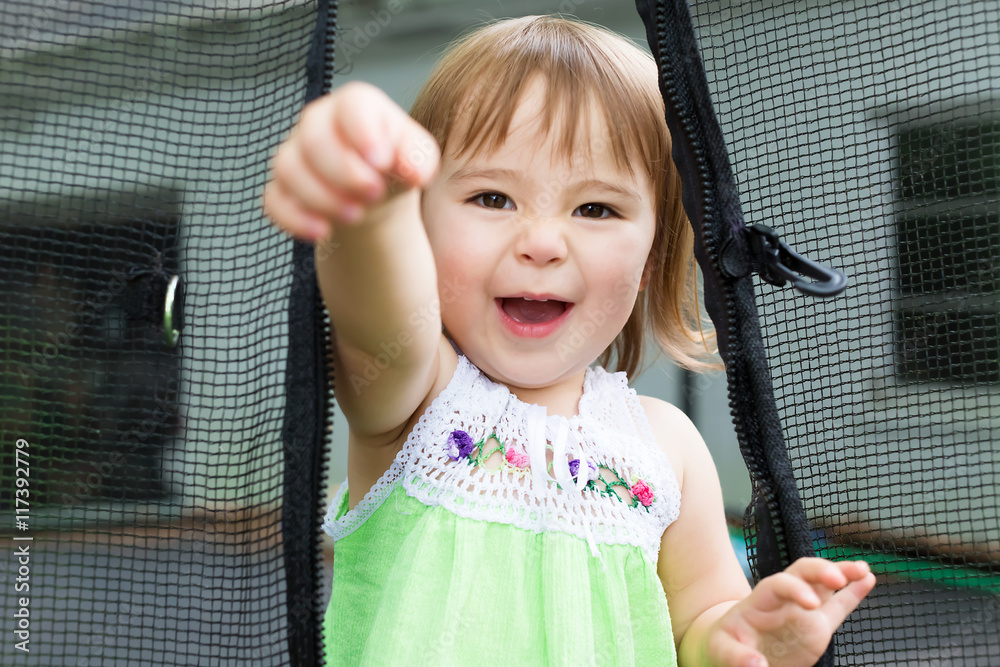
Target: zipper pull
(776, 263)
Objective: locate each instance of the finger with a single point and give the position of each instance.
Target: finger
(330, 136)
(289, 216)
(418, 156)
(297, 180)
(832, 579)
(386, 137)
(855, 569)
(811, 567)
(368, 122)
(825, 573)
(827, 577)
(782, 588)
(727, 650)
(846, 600)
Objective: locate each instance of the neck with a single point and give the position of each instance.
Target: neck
(560, 398)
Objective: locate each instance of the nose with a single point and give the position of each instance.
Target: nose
(541, 241)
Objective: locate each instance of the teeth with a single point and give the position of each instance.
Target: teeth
(527, 299)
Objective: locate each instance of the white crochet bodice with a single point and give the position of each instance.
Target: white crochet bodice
(481, 453)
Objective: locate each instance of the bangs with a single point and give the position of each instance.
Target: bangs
(471, 98)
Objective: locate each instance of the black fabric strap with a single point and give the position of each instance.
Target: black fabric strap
(308, 387)
(775, 516)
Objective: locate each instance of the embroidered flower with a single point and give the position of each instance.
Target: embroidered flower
(459, 445)
(574, 469)
(642, 491)
(517, 458)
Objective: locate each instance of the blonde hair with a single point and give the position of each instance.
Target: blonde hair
(472, 95)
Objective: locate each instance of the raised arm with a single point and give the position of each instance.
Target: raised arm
(349, 176)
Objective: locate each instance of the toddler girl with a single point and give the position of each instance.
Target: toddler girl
(510, 502)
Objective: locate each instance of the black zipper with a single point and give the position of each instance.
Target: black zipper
(307, 430)
(728, 251)
(327, 396)
(691, 157)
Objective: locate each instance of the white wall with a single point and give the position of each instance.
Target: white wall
(815, 163)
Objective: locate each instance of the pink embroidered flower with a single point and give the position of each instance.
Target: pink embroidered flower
(459, 445)
(517, 458)
(641, 491)
(574, 469)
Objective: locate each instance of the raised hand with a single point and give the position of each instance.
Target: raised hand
(350, 150)
(789, 617)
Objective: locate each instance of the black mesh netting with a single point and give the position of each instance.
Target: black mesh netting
(867, 134)
(148, 481)
(170, 492)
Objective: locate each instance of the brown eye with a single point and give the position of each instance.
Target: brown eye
(595, 211)
(493, 200)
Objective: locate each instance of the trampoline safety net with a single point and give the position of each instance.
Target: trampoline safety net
(163, 398)
(867, 135)
(145, 477)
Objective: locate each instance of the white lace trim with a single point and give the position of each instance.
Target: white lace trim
(611, 430)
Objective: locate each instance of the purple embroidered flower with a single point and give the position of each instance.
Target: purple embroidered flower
(459, 445)
(642, 491)
(574, 469)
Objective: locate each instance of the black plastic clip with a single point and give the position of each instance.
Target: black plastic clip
(153, 297)
(777, 264)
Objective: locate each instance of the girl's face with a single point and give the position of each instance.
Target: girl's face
(523, 222)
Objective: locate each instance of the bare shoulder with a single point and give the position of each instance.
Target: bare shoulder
(674, 432)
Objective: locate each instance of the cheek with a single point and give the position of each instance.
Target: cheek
(459, 246)
(456, 256)
(461, 272)
(617, 270)
(615, 289)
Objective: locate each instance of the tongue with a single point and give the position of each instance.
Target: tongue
(533, 312)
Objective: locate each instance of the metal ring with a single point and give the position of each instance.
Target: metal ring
(170, 335)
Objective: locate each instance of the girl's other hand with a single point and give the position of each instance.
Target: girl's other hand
(350, 150)
(789, 617)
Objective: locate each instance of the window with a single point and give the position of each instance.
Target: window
(85, 380)
(947, 315)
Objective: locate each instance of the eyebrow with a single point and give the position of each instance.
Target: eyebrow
(594, 184)
(467, 173)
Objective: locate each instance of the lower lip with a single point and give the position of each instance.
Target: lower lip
(540, 330)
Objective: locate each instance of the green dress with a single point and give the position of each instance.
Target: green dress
(503, 536)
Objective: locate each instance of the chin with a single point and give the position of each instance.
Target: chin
(532, 371)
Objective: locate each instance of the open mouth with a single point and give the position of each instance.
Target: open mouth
(529, 311)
